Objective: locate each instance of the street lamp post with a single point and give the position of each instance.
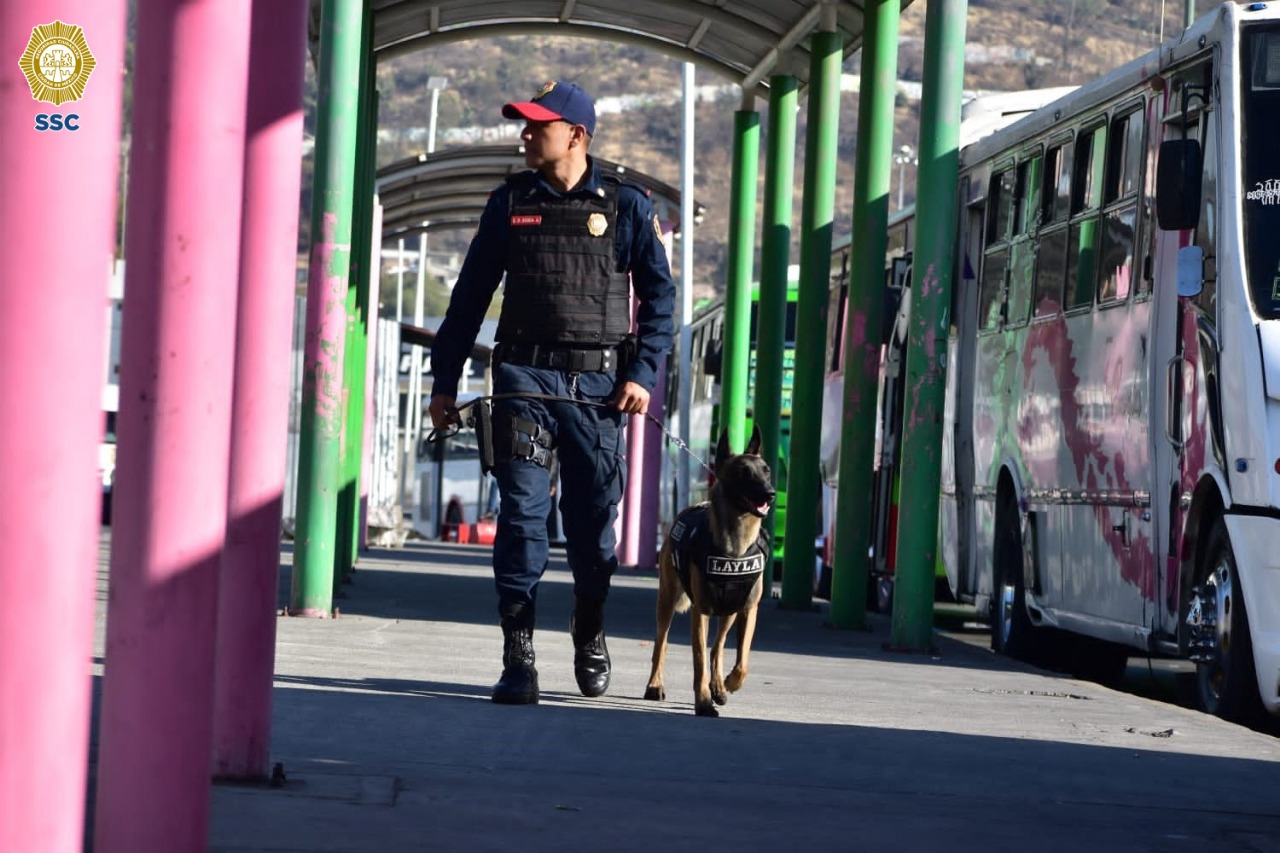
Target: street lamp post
(905, 156)
(435, 84)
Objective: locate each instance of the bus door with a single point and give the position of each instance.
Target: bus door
(889, 404)
(1186, 344)
(956, 520)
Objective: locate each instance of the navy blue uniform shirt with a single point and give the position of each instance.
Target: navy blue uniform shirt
(637, 248)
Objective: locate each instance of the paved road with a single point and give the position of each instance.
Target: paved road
(383, 725)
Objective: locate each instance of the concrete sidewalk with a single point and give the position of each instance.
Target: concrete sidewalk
(389, 741)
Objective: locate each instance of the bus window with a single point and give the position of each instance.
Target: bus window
(991, 290)
(1027, 199)
(1022, 257)
(1120, 224)
(1057, 183)
(998, 203)
(1049, 267)
(1207, 230)
(1204, 126)
(1124, 158)
(1086, 194)
(1052, 252)
(995, 264)
(1086, 177)
(837, 300)
(1119, 228)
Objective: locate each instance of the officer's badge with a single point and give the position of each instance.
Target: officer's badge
(597, 224)
(57, 63)
(657, 226)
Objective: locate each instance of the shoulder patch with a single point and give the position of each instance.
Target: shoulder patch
(657, 226)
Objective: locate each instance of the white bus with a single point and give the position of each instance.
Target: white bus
(1111, 467)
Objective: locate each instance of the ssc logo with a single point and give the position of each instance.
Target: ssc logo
(56, 121)
(57, 64)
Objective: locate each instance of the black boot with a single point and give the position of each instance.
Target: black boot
(519, 682)
(590, 654)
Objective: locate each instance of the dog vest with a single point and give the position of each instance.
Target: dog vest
(729, 580)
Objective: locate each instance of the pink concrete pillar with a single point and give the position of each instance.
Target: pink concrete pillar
(177, 359)
(249, 580)
(647, 549)
(57, 215)
(628, 524)
(633, 498)
(370, 374)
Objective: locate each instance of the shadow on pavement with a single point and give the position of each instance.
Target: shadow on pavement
(450, 583)
(409, 765)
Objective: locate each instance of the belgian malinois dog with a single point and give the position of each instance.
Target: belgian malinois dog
(714, 558)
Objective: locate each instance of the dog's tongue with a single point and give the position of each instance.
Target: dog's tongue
(763, 509)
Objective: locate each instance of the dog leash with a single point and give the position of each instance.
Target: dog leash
(439, 435)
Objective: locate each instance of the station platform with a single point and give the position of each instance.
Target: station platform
(389, 742)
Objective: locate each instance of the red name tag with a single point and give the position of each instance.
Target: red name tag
(535, 219)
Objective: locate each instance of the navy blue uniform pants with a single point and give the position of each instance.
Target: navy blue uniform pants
(589, 444)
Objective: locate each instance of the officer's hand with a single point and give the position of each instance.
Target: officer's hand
(443, 411)
(631, 398)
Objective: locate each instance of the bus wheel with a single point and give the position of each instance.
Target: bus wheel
(1218, 640)
(1010, 626)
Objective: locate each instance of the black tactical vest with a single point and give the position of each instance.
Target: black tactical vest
(563, 286)
(729, 580)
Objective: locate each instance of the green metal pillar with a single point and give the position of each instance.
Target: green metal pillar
(1189, 13)
(862, 326)
(775, 257)
(348, 524)
(330, 267)
(931, 279)
(817, 215)
(737, 297)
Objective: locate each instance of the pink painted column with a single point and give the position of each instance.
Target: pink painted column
(629, 511)
(647, 550)
(52, 364)
(177, 359)
(246, 627)
(370, 375)
(630, 543)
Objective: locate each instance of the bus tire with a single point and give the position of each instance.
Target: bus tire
(1011, 628)
(1228, 684)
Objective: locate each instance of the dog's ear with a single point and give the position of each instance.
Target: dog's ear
(753, 446)
(722, 449)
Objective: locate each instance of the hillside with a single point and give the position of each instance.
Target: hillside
(1011, 44)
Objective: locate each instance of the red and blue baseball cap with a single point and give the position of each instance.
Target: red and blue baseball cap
(556, 102)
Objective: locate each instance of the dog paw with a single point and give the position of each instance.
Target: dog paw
(735, 681)
(706, 710)
(718, 694)
(655, 693)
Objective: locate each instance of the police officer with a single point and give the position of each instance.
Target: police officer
(573, 243)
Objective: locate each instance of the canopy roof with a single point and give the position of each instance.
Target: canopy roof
(448, 189)
(745, 40)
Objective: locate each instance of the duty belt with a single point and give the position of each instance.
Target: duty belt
(573, 360)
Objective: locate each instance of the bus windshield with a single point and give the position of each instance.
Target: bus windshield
(1260, 129)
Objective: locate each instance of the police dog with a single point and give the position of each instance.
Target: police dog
(714, 558)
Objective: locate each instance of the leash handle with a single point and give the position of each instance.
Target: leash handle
(441, 434)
